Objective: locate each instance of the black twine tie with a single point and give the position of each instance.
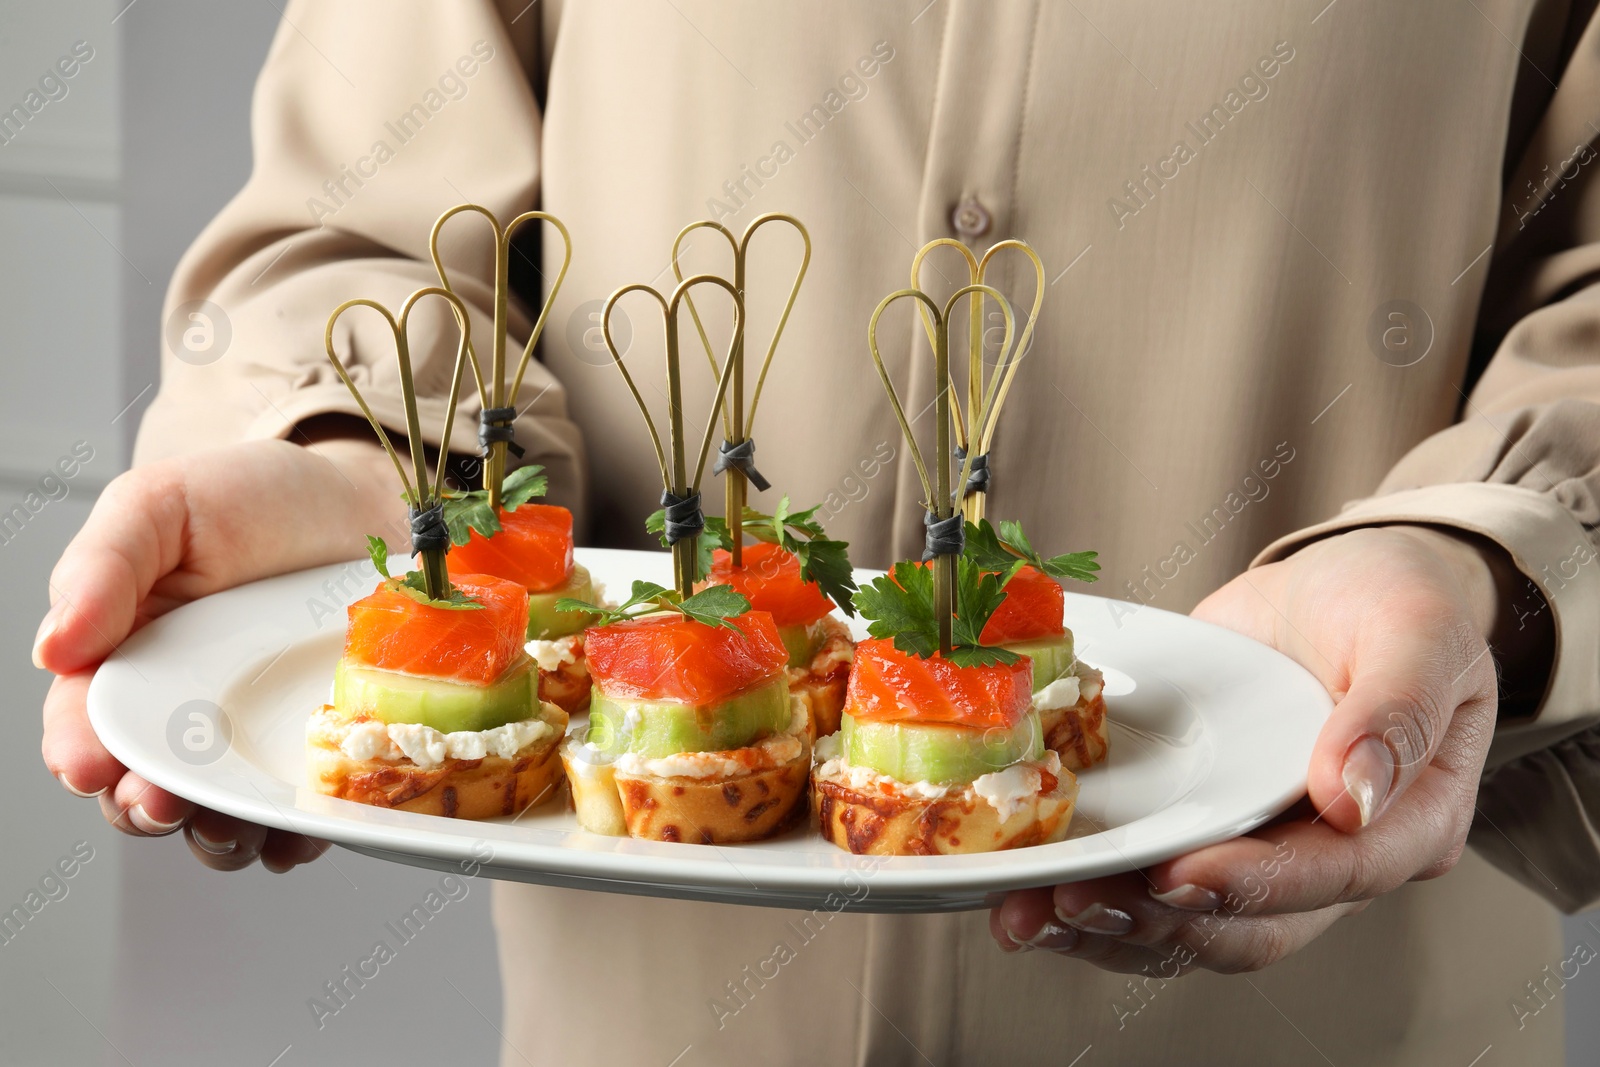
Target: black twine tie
(497, 424)
(977, 478)
(428, 530)
(741, 457)
(684, 517)
(943, 537)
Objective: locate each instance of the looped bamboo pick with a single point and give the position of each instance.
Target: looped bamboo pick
(494, 432)
(738, 424)
(680, 482)
(943, 521)
(425, 501)
(974, 436)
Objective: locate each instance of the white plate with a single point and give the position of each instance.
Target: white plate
(1211, 734)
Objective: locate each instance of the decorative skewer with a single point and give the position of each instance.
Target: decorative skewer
(430, 539)
(680, 487)
(975, 435)
(945, 535)
(736, 455)
(496, 419)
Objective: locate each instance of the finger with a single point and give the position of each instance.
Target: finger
(1307, 866)
(1410, 675)
(70, 748)
(138, 808)
(1025, 920)
(223, 842)
(133, 535)
(284, 851)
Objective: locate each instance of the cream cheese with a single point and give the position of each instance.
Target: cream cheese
(1084, 683)
(550, 655)
(865, 779)
(1007, 790)
(1061, 693)
(423, 745)
(1090, 681)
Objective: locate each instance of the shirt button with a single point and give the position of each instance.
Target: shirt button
(971, 219)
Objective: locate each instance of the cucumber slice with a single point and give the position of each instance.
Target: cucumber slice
(802, 641)
(446, 706)
(939, 752)
(1052, 657)
(653, 729)
(545, 623)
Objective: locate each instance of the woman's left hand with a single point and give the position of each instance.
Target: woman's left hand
(1394, 622)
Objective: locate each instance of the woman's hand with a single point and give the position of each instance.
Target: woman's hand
(163, 535)
(1393, 621)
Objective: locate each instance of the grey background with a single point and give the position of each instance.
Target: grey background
(151, 959)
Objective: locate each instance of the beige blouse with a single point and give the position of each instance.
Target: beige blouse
(1310, 265)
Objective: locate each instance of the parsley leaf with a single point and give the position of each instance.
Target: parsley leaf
(985, 549)
(822, 560)
(378, 549)
(522, 485)
(713, 537)
(413, 585)
(900, 606)
(467, 511)
(1009, 549)
(713, 607)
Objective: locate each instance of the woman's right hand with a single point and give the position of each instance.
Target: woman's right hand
(165, 534)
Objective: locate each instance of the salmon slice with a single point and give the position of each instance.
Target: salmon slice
(533, 548)
(1034, 607)
(392, 632)
(770, 580)
(888, 685)
(673, 658)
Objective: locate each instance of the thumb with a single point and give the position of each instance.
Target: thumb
(1406, 683)
(133, 536)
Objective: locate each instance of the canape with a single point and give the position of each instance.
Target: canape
(794, 572)
(935, 758)
(495, 528)
(435, 704)
(436, 709)
(1067, 693)
(940, 749)
(693, 735)
(530, 544)
(818, 643)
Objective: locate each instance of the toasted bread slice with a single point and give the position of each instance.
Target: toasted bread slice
(455, 788)
(871, 815)
(821, 684)
(1078, 733)
(567, 686)
(754, 793)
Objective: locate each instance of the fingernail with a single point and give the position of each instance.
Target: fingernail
(145, 824)
(1054, 937)
(46, 628)
(1368, 776)
(1099, 919)
(1189, 897)
(75, 791)
(216, 848)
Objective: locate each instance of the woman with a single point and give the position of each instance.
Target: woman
(1299, 256)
